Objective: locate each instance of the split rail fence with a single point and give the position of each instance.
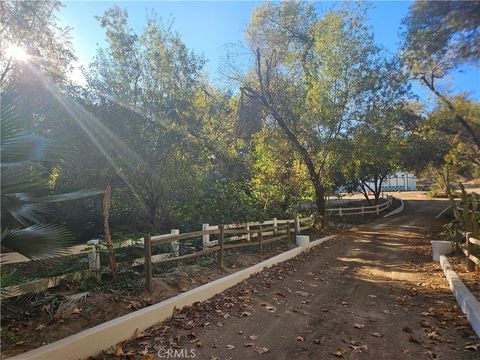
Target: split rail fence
(214, 238)
(362, 210)
(470, 247)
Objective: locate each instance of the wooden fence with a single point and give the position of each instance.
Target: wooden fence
(255, 235)
(271, 230)
(467, 248)
(363, 209)
(232, 235)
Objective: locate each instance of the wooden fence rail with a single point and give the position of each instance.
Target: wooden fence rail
(362, 210)
(467, 248)
(258, 238)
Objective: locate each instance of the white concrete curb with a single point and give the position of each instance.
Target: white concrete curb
(397, 210)
(469, 303)
(92, 341)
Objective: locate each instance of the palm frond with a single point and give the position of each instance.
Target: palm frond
(39, 241)
(74, 195)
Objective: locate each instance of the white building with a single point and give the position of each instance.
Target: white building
(400, 181)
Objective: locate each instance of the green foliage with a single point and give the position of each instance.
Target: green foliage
(439, 141)
(443, 33)
(32, 25)
(320, 78)
(439, 37)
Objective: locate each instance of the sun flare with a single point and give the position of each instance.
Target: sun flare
(17, 52)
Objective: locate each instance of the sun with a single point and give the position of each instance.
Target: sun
(17, 53)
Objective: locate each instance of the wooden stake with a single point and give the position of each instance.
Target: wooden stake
(260, 238)
(288, 232)
(147, 248)
(470, 263)
(221, 241)
(106, 209)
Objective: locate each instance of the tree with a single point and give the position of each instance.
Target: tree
(317, 79)
(440, 37)
(278, 180)
(170, 129)
(31, 27)
(439, 141)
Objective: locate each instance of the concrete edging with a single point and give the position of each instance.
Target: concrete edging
(397, 210)
(467, 302)
(92, 341)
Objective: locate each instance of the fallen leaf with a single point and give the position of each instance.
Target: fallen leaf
(253, 337)
(280, 293)
(118, 350)
(474, 347)
(245, 314)
(433, 335)
(148, 357)
(135, 305)
(340, 352)
(262, 350)
(299, 338)
(425, 324)
(407, 329)
(376, 334)
(230, 347)
(359, 326)
(76, 311)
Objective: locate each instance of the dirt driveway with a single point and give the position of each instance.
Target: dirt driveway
(372, 293)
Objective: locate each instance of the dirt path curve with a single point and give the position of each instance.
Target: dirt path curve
(372, 293)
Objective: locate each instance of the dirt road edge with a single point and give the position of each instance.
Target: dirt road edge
(467, 302)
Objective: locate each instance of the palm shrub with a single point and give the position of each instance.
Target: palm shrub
(25, 190)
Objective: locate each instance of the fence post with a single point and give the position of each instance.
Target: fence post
(470, 263)
(363, 210)
(205, 238)
(288, 231)
(275, 226)
(147, 248)
(260, 238)
(247, 227)
(221, 241)
(175, 244)
(340, 211)
(378, 207)
(458, 244)
(297, 225)
(93, 256)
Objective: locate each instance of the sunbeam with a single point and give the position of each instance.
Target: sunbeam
(97, 132)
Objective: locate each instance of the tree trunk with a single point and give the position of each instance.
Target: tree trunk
(365, 192)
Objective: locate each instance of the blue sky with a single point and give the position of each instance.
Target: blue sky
(208, 26)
